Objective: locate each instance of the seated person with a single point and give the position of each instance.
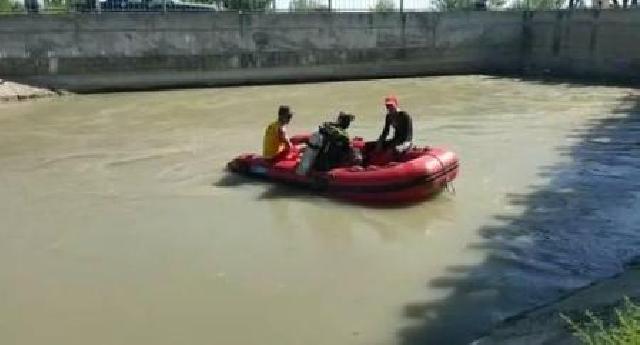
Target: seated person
(402, 126)
(276, 144)
(336, 147)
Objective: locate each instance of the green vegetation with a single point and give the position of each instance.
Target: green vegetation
(10, 6)
(449, 5)
(61, 5)
(623, 330)
(384, 6)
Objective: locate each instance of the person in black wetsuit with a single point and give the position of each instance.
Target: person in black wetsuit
(402, 128)
(336, 149)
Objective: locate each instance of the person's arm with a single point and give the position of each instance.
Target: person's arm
(385, 130)
(409, 136)
(284, 137)
(404, 130)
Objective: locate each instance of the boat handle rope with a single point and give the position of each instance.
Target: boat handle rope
(448, 185)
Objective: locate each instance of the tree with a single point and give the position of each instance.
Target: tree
(384, 6)
(11, 6)
(450, 5)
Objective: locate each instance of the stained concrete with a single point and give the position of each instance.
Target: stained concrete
(596, 45)
(115, 51)
(137, 50)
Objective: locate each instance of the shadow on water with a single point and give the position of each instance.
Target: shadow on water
(234, 180)
(582, 226)
(272, 190)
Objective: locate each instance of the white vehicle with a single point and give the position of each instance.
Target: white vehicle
(182, 5)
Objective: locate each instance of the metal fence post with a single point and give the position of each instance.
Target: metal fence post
(401, 6)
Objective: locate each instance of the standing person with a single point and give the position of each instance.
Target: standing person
(402, 128)
(276, 143)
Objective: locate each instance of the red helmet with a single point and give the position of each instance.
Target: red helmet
(391, 100)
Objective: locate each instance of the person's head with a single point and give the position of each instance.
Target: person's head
(344, 120)
(391, 103)
(284, 114)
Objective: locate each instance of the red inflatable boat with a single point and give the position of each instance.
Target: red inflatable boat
(414, 176)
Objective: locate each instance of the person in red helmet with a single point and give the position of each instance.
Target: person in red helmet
(402, 128)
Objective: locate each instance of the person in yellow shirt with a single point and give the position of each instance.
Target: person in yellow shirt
(276, 143)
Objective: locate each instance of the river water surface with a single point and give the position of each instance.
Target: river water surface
(118, 224)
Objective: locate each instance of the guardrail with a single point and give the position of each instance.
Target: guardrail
(97, 6)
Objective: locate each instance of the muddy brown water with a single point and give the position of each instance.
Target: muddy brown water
(118, 224)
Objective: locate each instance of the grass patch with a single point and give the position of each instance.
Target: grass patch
(623, 328)
(8, 6)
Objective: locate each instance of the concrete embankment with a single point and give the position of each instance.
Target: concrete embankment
(596, 45)
(114, 51)
(143, 50)
(544, 326)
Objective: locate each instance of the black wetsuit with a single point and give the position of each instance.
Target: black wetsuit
(402, 130)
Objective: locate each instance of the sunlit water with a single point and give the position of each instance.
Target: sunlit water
(118, 224)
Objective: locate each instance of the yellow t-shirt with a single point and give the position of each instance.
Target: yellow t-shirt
(273, 142)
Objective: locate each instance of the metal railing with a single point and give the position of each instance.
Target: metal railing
(80, 6)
